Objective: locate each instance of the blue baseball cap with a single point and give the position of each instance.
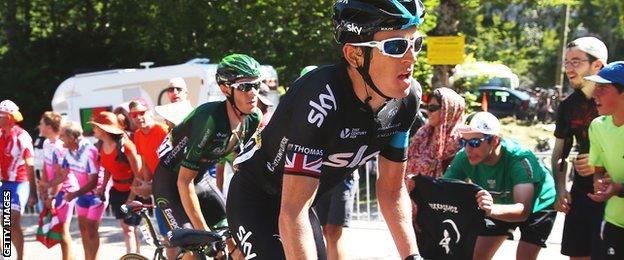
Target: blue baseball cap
(612, 73)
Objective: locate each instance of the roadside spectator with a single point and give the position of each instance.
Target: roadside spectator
(581, 240)
(519, 190)
(120, 161)
(179, 106)
(81, 160)
(16, 169)
(147, 139)
(177, 90)
(54, 184)
(123, 116)
(435, 144)
(606, 134)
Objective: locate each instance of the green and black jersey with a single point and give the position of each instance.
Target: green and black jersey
(202, 138)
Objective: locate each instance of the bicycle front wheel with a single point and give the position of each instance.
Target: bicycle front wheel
(133, 256)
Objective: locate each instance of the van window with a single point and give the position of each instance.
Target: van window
(501, 96)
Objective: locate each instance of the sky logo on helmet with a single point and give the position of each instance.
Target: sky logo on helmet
(351, 27)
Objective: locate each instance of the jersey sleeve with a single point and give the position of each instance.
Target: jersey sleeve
(202, 129)
(397, 148)
(92, 161)
(596, 151)
(313, 109)
(457, 169)
(56, 156)
(522, 171)
(562, 128)
(64, 163)
(26, 142)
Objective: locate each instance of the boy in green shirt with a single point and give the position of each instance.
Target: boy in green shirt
(606, 154)
(519, 190)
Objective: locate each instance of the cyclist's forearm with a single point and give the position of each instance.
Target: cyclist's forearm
(296, 233)
(395, 206)
(220, 175)
(190, 202)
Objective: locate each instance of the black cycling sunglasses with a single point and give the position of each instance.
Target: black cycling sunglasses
(246, 86)
(474, 142)
(432, 107)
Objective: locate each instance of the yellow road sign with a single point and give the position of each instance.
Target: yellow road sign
(445, 50)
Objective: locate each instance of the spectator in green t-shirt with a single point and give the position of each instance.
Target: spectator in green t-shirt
(519, 190)
(606, 155)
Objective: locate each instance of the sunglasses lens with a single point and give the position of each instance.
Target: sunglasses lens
(433, 107)
(248, 86)
(418, 42)
(137, 114)
(396, 47)
(474, 143)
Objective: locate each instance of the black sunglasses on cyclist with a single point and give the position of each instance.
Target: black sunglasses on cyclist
(432, 107)
(474, 142)
(246, 86)
(394, 47)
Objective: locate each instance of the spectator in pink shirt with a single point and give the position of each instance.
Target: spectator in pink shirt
(54, 185)
(81, 160)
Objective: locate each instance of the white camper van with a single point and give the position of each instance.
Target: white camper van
(79, 97)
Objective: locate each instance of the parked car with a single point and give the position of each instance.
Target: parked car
(504, 102)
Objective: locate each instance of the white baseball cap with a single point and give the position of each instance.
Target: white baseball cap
(174, 112)
(594, 47)
(177, 83)
(482, 122)
(9, 107)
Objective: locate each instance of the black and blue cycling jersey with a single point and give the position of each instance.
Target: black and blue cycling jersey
(320, 130)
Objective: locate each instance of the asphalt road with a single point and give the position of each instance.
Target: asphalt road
(365, 240)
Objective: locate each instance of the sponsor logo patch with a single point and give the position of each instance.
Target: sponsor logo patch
(326, 101)
(351, 133)
(303, 164)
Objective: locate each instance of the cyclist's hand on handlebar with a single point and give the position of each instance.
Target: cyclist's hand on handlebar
(485, 201)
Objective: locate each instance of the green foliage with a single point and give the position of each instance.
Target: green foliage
(45, 42)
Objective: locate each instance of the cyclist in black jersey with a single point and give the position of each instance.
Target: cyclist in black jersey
(214, 130)
(330, 122)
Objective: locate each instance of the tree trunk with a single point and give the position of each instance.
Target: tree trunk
(447, 26)
(11, 28)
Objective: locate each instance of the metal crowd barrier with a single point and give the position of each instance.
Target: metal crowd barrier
(366, 206)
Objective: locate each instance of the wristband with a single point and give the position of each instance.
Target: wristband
(413, 257)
